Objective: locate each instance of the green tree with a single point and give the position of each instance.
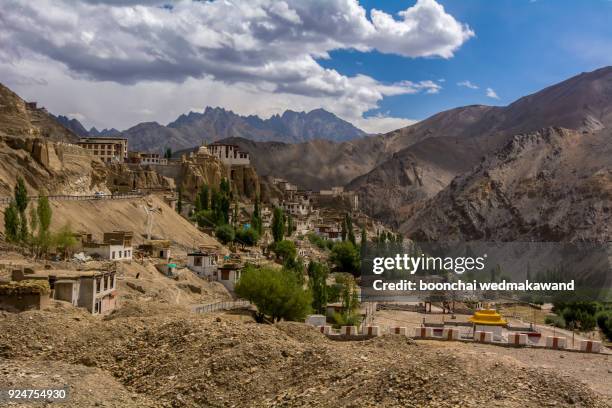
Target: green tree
(343, 229)
(168, 154)
(256, 221)
(275, 292)
(296, 266)
(278, 224)
(350, 302)
(225, 233)
(205, 218)
(247, 236)
(64, 240)
(21, 195)
(21, 202)
(317, 280)
(204, 197)
(345, 257)
(285, 250)
(11, 222)
(45, 214)
(364, 241)
(349, 228)
(290, 226)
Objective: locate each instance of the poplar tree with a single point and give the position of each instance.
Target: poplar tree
(11, 222)
(21, 201)
(278, 224)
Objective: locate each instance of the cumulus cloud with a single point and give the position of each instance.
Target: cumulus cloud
(467, 84)
(492, 94)
(382, 123)
(267, 46)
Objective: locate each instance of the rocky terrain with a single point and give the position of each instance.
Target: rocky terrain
(394, 173)
(36, 147)
(550, 185)
(180, 360)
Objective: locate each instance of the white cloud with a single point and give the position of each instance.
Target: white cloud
(381, 123)
(467, 84)
(267, 48)
(491, 93)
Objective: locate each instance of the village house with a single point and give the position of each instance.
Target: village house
(107, 149)
(156, 248)
(296, 208)
(144, 158)
(229, 274)
(24, 295)
(327, 231)
(229, 154)
(203, 262)
(115, 246)
(95, 291)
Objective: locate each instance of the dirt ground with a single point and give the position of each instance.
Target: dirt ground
(99, 216)
(179, 359)
(593, 370)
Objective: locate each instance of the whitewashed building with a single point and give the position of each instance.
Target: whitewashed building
(229, 154)
(203, 263)
(115, 246)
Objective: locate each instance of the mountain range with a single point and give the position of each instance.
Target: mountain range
(412, 177)
(194, 128)
(537, 169)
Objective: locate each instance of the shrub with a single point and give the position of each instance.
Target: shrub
(556, 321)
(345, 257)
(225, 233)
(275, 292)
(604, 321)
(285, 250)
(247, 236)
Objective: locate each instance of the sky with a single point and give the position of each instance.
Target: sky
(380, 64)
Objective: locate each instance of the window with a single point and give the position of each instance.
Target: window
(113, 255)
(98, 285)
(197, 261)
(224, 275)
(112, 281)
(106, 286)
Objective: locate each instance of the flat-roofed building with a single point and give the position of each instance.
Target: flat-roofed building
(107, 149)
(203, 263)
(95, 291)
(229, 154)
(115, 246)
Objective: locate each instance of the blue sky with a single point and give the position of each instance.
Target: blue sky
(520, 47)
(115, 63)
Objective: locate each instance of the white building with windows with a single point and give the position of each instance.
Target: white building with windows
(115, 246)
(229, 154)
(203, 263)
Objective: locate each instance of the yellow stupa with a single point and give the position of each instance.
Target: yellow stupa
(488, 317)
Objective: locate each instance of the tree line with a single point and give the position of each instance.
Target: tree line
(31, 228)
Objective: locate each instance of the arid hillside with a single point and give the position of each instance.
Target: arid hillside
(35, 146)
(18, 118)
(395, 172)
(176, 359)
(550, 185)
(99, 216)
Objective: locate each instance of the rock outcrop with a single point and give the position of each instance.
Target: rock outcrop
(551, 185)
